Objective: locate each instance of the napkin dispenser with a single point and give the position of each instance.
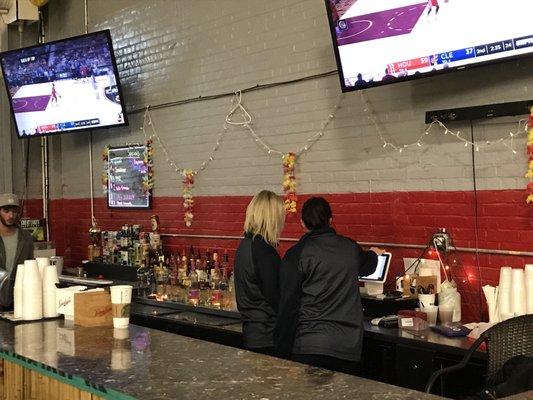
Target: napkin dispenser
(85, 307)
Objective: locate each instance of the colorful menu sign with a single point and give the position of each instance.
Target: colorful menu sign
(128, 177)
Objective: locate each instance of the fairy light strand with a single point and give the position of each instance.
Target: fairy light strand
(247, 121)
(147, 121)
(520, 130)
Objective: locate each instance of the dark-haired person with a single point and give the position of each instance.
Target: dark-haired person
(16, 246)
(256, 271)
(320, 317)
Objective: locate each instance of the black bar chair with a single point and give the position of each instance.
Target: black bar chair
(510, 338)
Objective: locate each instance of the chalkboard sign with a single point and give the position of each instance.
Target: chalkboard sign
(128, 183)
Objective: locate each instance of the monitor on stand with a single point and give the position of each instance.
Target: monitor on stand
(374, 282)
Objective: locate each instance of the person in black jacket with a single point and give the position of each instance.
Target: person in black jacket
(257, 271)
(320, 318)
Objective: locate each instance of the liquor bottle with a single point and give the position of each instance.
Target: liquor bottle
(182, 269)
(215, 262)
(231, 290)
(208, 261)
(200, 272)
(124, 237)
(224, 266)
(173, 266)
(185, 273)
(207, 268)
(193, 295)
(223, 285)
(215, 279)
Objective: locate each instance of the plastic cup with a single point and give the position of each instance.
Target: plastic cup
(431, 312)
(446, 314)
(121, 301)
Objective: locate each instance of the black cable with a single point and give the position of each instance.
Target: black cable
(476, 225)
(220, 95)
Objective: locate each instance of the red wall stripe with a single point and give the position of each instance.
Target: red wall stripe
(504, 222)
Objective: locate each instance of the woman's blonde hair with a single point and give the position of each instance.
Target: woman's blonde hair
(265, 216)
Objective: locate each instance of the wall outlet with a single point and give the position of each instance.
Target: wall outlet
(442, 240)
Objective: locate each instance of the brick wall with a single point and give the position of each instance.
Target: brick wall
(388, 217)
(176, 50)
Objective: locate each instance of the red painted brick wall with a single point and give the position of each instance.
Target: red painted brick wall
(504, 222)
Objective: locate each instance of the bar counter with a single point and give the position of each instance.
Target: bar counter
(152, 364)
(390, 355)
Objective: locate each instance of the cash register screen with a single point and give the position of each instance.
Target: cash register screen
(380, 274)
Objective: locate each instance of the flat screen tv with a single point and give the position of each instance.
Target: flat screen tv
(378, 42)
(64, 86)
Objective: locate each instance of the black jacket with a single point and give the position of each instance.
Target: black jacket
(320, 309)
(257, 290)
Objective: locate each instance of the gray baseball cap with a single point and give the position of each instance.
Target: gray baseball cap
(9, 200)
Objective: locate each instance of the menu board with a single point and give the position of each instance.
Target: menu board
(128, 176)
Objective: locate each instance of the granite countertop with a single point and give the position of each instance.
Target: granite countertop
(150, 364)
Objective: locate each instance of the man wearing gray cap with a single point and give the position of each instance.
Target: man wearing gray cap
(16, 245)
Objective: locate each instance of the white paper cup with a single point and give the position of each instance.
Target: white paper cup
(120, 302)
(426, 299)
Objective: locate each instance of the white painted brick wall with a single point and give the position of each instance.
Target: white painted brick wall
(171, 50)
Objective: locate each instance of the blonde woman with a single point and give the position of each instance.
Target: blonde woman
(257, 270)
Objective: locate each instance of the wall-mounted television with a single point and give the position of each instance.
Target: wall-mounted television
(64, 86)
(378, 42)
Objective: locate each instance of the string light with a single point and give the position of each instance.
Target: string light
(147, 121)
(367, 108)
(247, 121)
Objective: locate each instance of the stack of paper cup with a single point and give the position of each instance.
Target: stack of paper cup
(49, 291)
(518, 292)
(529, 288)
(491, 294)
(42, 262)
(17, 292)
(32, 292)
(504, 293)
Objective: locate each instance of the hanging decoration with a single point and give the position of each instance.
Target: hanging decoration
(371, 115)
(237, 116)
(288, 159)
(247, 124)
(188, 199)
(529, 173)
(289, 183)
(105, 175)
(187, 175)
(148, 179)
